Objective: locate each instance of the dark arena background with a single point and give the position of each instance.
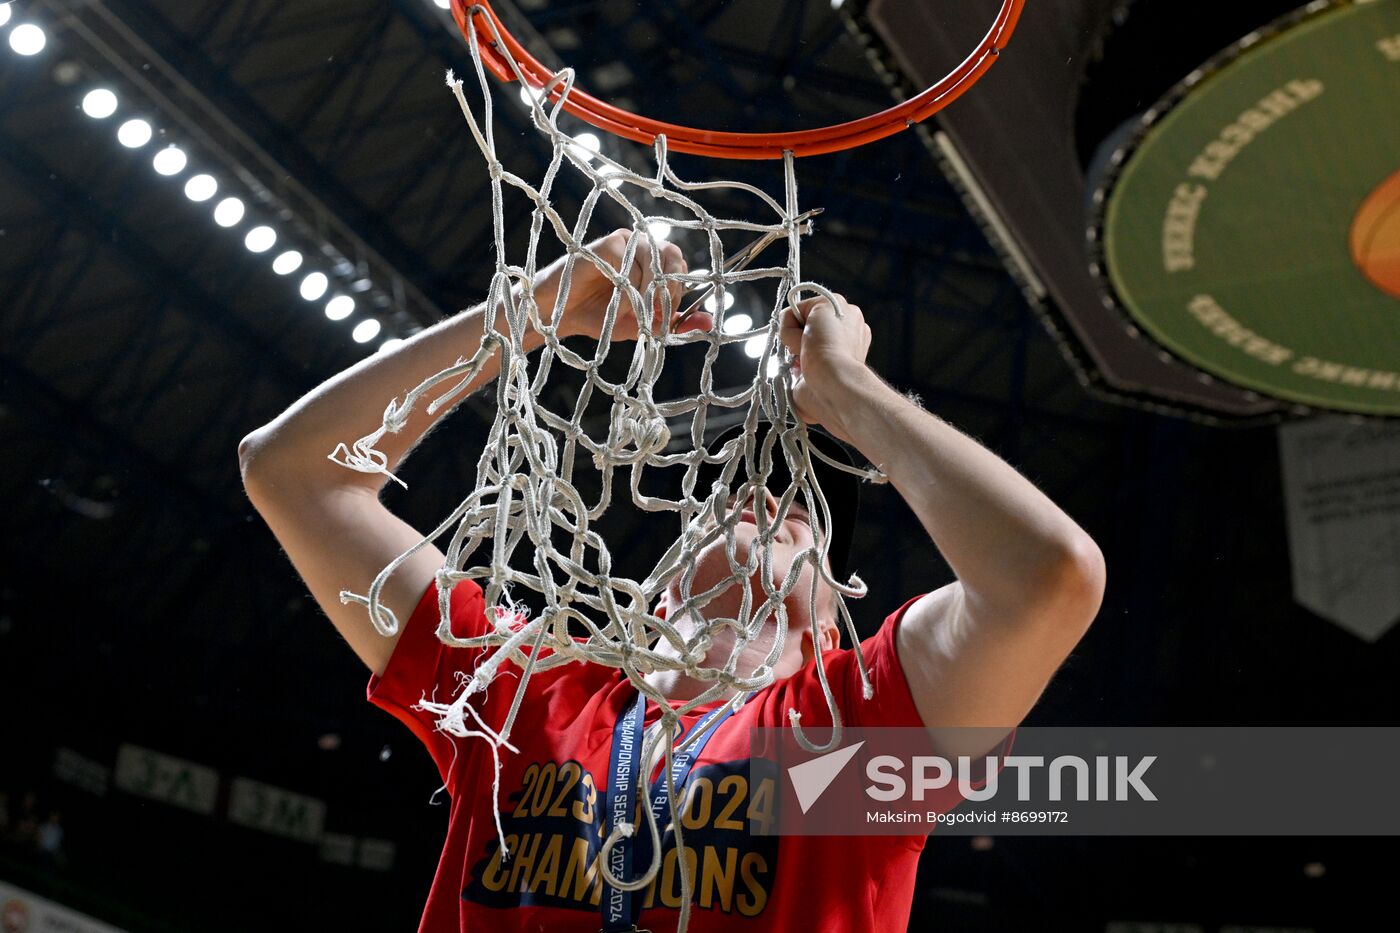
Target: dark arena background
(1152, 260)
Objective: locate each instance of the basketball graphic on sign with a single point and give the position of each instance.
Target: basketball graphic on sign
(1375, 237)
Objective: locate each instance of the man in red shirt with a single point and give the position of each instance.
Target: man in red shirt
(977, 652)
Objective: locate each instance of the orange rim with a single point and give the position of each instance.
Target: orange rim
(738, 145)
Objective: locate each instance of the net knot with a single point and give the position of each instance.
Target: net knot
(646, 433)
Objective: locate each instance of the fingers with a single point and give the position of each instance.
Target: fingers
(802, 313)
(818, 314)
(807, 306)
(700, 320)
(612, 246)
(673, 263)
(641, 271)
(790, 330)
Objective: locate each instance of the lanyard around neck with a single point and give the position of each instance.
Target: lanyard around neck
(619, 907)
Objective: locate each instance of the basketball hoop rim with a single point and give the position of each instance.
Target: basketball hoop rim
(725, 145)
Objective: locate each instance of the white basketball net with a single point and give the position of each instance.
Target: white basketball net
(525, 491)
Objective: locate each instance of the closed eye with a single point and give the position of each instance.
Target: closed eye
(795, 512)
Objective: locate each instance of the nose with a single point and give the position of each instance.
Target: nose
(770, 503)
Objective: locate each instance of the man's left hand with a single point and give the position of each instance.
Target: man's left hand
(826, 348)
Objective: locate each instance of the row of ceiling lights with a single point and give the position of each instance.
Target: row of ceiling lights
(29, 39)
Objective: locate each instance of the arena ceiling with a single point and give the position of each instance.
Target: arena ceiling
(143, 601)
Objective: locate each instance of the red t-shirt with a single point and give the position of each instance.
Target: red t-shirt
(552, 793)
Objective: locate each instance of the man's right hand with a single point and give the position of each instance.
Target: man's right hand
(590, 290)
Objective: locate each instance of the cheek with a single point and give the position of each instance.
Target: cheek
(743, 539)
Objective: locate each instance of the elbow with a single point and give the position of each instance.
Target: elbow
(1077, 580)
(277, 469)
(1057, 588)
(253, 462)
(245, 451)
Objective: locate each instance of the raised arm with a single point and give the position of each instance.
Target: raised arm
(979, 651)
(329, 519)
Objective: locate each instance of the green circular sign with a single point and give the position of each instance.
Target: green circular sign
(1255, 229)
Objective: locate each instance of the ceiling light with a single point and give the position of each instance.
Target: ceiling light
(229, 212)
(443, 4)
(712, 302)
(314, 286)
(4, 13)
(133, 134)
(201, 188)
(99, 103)
(753, 347)
(170, 161)
(606, 169)
(737, 323)
(390, 344)
(528, 95)
(659, 229)
(287, 263)
(28, 39)
(365, 331)
(340, 307)
(260, 239)
(774, 365)
(586, 146)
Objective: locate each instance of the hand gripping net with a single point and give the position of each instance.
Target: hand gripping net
(525, 492)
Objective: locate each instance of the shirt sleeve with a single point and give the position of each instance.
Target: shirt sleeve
(422, 667)
(892, 704)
